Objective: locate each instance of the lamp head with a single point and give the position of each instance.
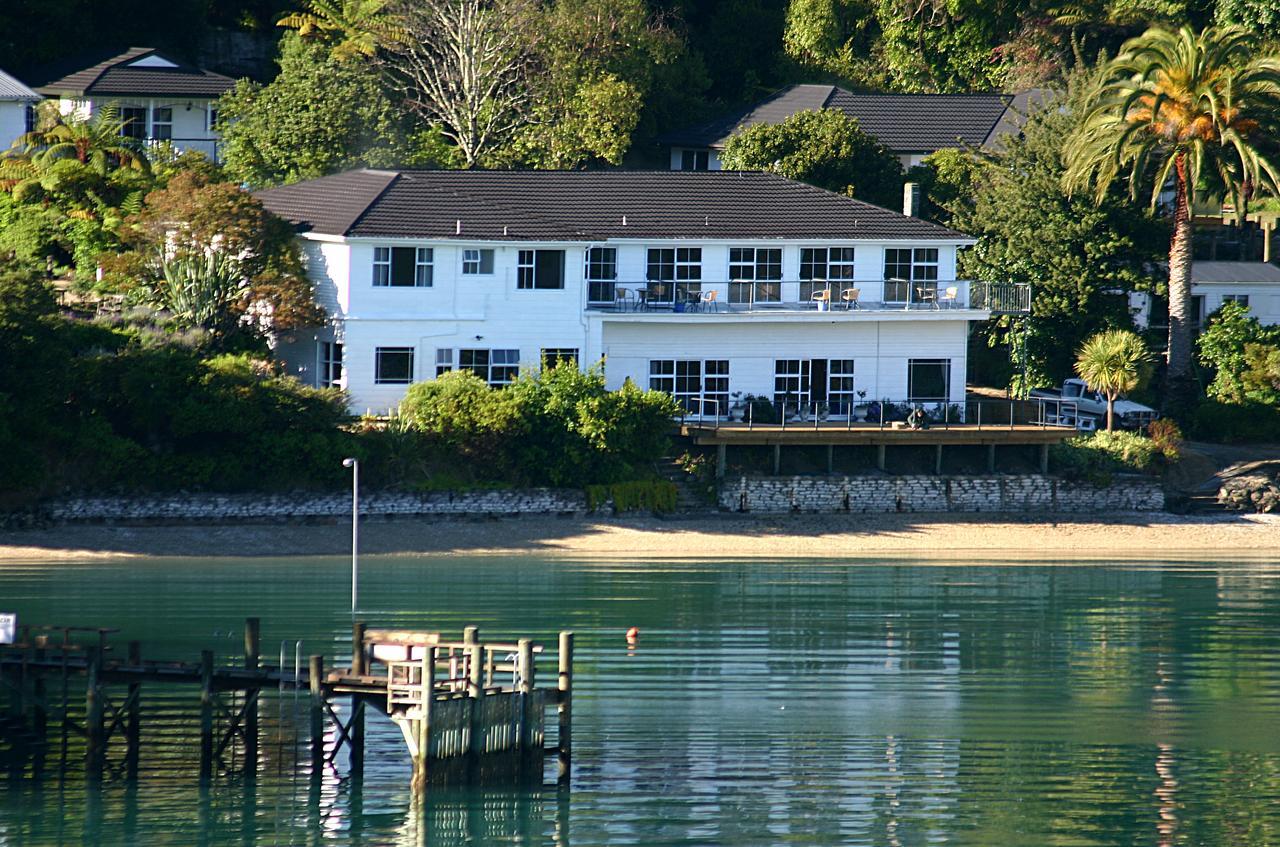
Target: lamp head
(348, 463)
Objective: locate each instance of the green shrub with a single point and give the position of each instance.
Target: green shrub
(657, 495)
(1232, 423)
(1096, 457)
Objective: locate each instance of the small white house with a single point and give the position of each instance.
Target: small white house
(708, 285)
(17, 110)
(1253, 284)
(911, 126)
(161, 99)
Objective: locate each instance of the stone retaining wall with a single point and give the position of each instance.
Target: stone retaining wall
(286, 507)
(1024, 493)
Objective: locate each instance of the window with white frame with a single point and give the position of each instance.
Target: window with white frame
(496, 367)
(928, 380)
(601, 274)
(823, 266)
(695, 160)
(403, 267)
(699, 386)
(755, 274)
(554, 356)
(1242, 299)
(477, 262)
(792, 388)
(393, 365)
(542, 269)
(31, 118)
(672, 268)
(162, 123)
(133, 122)
(330, 364)
(444, 360)
(909, 272)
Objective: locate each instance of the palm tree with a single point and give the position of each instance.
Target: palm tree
(1202, 110)
(1112, 362)
(355, 28)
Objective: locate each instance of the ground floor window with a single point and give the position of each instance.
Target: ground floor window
(330, 364)
(814, 386)
(928, 380)
(699, 386)
(552, 356)
(393, 365)
(791, 383)
(1242, 299)
(840, 389)
(496, 367)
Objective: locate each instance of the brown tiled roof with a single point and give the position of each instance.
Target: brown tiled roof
(116, 77)
(585, 206)
(905, 123)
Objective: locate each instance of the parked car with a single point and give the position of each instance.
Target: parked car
(1075, 404)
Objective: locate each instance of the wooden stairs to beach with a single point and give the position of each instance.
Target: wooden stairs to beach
(691, 495)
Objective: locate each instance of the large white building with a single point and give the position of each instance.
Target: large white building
(709, 285)
(160, 98)
(1254, 285)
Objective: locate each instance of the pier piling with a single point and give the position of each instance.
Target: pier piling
(564, 744)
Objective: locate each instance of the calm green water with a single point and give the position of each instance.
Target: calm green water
(768, 703)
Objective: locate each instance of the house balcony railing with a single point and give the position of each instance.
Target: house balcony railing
(211, 147)
(704, 297)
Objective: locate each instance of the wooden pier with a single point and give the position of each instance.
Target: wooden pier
(468, 710)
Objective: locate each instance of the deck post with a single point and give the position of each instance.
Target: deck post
(355, 736)
(252, 648)
(526, 689)
(1044, 458)
(880, 456)
(206, 714)
(991, 457)
(422, 754)
(777, 459)
(315, 679)
(133, 723)
(475, 691)
(937, 459)
(564, 747)
(94, 752)
(831, 458)
(722, 453)
(359, 663)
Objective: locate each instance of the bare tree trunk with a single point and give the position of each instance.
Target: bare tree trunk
(465, 65)
(1111, 412)
(1179, 385)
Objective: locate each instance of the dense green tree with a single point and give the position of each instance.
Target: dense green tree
(1112, 362)
(320, 115)
(1080, 257)
(1199, 109)
(1240, 350)
(826, 148)
(1262, 16)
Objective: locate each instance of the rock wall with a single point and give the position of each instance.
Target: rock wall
(1024, 493)
(290, 507)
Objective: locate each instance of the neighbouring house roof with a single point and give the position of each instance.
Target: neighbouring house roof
(585, 206)
(905, 123)
(137, 72)
(1235, 272)
(12, 89)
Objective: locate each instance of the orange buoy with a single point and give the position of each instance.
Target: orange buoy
(633, 635)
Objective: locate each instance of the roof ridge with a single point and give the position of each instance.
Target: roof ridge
(116, 61)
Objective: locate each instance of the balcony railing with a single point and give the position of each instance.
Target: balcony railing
(211, 147)
(792, 411)
(704, 297)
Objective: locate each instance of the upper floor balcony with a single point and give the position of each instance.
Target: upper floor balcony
(739, 296)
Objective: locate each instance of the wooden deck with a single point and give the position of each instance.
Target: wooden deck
(706, 434)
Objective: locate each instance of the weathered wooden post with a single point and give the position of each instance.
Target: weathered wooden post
(525, 652)
(315, 679)
(206, 714)
(355, 729)
(359, 666)
(880, 450)
(991, 457)
(94, 753)
(252, 638)
(475, 691)
(1044, 458)
(564, 749)
(937, 459)
(423, 733)
(133, 722)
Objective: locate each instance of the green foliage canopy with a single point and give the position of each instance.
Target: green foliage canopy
(1112, 362)
(1243, 355)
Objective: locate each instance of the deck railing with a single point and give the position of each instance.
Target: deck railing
(784, 414)
(708, 297)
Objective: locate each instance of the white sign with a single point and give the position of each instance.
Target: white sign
(8, 627)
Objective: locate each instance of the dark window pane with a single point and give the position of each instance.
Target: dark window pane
(403, 265)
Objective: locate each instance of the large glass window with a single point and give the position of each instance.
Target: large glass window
(672, 268)
(162, 123)
(393, 365)
(403, 267)
(133, 121)
(700, 387)
(553, 356)
(601, 273)
(496, 367)
(840, 388)
(540, 269)
(476, 262)
(928, 380)
(791, 386)
(755, 275)
(910, 273)
(695, 160)
(820, 266)
(330, 364)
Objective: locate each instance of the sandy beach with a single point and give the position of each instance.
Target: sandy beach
(1006, 537)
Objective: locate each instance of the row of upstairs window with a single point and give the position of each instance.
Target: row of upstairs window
(497, 367)
(545, 269)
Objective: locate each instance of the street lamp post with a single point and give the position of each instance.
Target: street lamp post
(354, 464)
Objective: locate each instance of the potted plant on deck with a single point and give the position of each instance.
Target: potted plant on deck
(861, 408)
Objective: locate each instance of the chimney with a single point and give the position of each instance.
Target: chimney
(911, 199)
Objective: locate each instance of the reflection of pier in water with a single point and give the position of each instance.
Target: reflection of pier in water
(469, 711)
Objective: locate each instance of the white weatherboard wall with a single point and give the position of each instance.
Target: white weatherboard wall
(13, 122)
(490, 312)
